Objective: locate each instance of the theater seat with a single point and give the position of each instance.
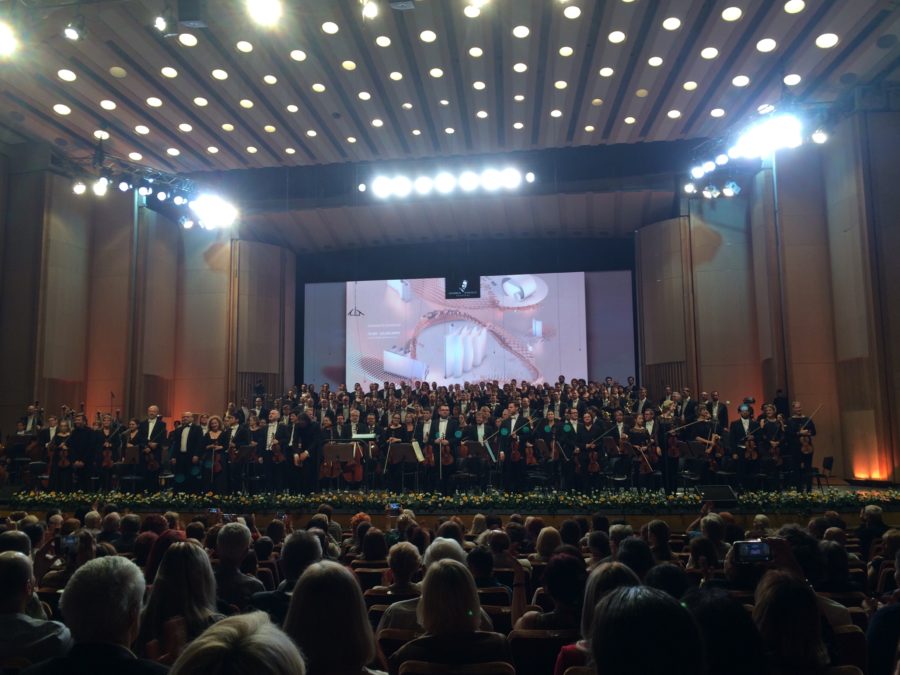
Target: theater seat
(369, 578)
(850, 643)
(842, 670)
(425, 668)
(266, 577)
(534, 652)
(496, 597)
(373, 598)
(501, 618)
(391, 639)
(580, 670)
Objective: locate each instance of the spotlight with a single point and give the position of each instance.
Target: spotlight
(166, 23)
(186, 222)
(362, 187)
(697, 172)
(511, 178)
(690, 188)
(490, 180)
(722, 159)
(529, 177)
(402, 186)
(124, 185)
(768, 136)
(468, 181)
(819, 136)
(9, 43)
(444, 182)
(711, 191)
(382, 187)
(161, 196)
(179, 200)
(731, 189)
(74, 30)
(214, 212)
(423, 185)
(369, 9)
(144, 189)
(100, 185)
(265, 12)
(709, 166)
(79, 188)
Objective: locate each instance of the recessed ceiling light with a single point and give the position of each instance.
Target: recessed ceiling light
(518, 126)
(436, 72)
(407, 106)
(173, 152)
(269, 129)
(481, 114)
(106, 104)
(566, 51)
(270, 79)
(449, 130)
(289, 151)
(212, 149)
(348, 65)
(383, 41)
(641, 93)
(672, 23)
(794, 6)
(572, 12)
(766, 45)
(471, 11)
(244, 46)
(66, 75)
(606, 71)
(318, 87)
(228, 126)
(717, 112)
(596, 102)
(291, 108)
(740, 81)
(220, 74)
(556, 113)
(251, 149)
(475, 52)
(589, 128)
(732, 13)
(351, 139)
(520, 67)
(416, 132)
(519, 98)
(246, 103)
(444, 102)
(101, 135)
(330, 27)
(118, 72)
(479, 85)
(428, 36)
(154, 102)
(396, 76)
(377, 123)
(826, 40)
(521, 32)
(188, 40)
(690, 85)
(142, 130)
(298, 55)
(673, 114)
(185, 127)
(312, 133)
(616, 37)
(200, 102)
(709, 53)
(135, 156)
(792, 79)
(560, 84)
(168, 71)
(364, 96)
(655, 61)
(630, 120)
(765, 108)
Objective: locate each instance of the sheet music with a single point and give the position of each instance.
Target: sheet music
(418, 450)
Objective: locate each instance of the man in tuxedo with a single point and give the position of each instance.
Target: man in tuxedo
(516, 427)
(259, 409)
(643, 402)
(287, 438)
(307, 452)
(185, 452)
(745, 428)
(32, 420)
(689, 407)
(667, 395)
(151, 436)
(718, 410)
(799, 429)
(81, 452)
(48, 433)
(444, 437)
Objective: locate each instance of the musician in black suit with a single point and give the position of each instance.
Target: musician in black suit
(107, 449)
(308, 452)
(514, 429)
(185, 452)
(742, 430)
(47, 433)
(444, 437)
(643, 402)
(288, 437)
(689, 407)
(479, 432)
(152, 435)
(799, 433)
(81, 452)
(718, 410)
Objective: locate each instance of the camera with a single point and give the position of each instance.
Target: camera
(393, 509)
(752, 551)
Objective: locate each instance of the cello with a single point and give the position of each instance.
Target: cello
(353, 472)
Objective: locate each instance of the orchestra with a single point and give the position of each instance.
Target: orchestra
(517, 436)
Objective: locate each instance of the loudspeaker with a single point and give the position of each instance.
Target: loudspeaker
(722, 495)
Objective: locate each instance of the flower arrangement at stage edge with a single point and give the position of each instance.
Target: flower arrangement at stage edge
(428, 502)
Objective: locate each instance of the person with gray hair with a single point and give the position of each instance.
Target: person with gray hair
(101, 605)
(233, 587)
(22, 636)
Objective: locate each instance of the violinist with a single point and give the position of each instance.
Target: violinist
(215, 456)
(107, 449)
(46, 436)
(745, 441)
(567, 438)
(772, 433)
(350, 429)
(60, 461)
(446, 441)
(476, 433)
(152, 438)
(799, 434)
(590, 449)
(308, 452)
(81, 446)
(329, 471)
(186, 450)
(669, 440)
(238, 436)
(287, 440)
(514, 435)
(131, 440)
(718, 410)
(373, 466)
(619, 432)
(272, 452)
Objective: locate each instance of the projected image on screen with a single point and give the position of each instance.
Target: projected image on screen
(524, 327)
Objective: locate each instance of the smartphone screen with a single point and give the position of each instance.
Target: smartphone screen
(752, 551)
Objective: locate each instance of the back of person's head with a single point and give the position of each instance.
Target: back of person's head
(328, 621)
(232, 543)
(69, 526)
(35, 533)
(13, 540)
(786, 613)
(404, 561)
(358, 518)
(374, 545)
(264, 548)
(619, 532)
(570, 532)
(93, 520)
(420, 537)
(246, 643)
(449, 602)
(131, 524)
(625, 619)
(873, 514)
(805, 548)
(319, 520)
(195, 530)
(713, 527)
(160, 546)
(16, 581)
(760, 522)
(142, 547)
(493, 522)
(733, 644)
(533, 526)
(300, 550)
(516, 533)
(276, 530)
(817, 527)
(599, 523)
(172, 519)
(668, 577)
(451, 530)
(102, 601)
(111, 522)
(154, 522)
(703, 550)
(360, 531)
(564, 579)
(548, 540)
(442, 549)
(836, 534)
(598, 543)
(891, 543)
(479, 524)
(658, 533)
(636, 553)
(327, 510)
(836, 561)
(480, 563)
(498, 542)
(604, 578)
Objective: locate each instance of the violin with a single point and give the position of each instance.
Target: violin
(63, 462)
(216, 458)
(446, 454)
(672, 450)
(150, 459)
(806, 445)
(106, 460)
(645, 466)
(277, 453)
(329, 470)
(593, 461)
(530, 459)
(750, 451)
(428, 453)
(514, 454)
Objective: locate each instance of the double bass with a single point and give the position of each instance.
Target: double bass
(353, 471)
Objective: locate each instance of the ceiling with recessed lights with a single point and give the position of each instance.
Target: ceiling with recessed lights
(326, 85)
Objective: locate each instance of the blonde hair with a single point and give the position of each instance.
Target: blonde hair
(246, 643)
(404, 560)
(449, 602)
(548, 541)
(327, 620)
(479, 524)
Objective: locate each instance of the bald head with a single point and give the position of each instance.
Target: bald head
(14, 540)
(16, 581)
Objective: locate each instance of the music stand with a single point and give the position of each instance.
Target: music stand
(403, 453)
(244, 457)
(337, 451)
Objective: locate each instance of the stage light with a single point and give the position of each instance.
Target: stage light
(444, 182)
(186, 222)
(490, 180)
(362, 187)
(265, 12)
(511, 178)
(529, 177)
(166, 23)
(179, 200)
(162, 196)
(468, 181)
(79, 188)
(709, 166)
(100, 186)
(690, 188)
(369, 9)
(697, 172)
(124, 185)
(423, 185)
(771, 134)
(213, 212)
(819, 136)
(731, 189)
(74, 30)
(9, 43)
(711, 192)
(401, 186)
(382, 187)
(722, 159)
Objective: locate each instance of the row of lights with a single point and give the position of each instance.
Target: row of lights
(489, 180)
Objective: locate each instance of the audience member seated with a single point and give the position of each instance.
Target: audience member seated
(603, 579)
(564, 580)
(643, 631)
(15, 541)
(83, 551)
(504, 551)
(618, 533)
(871, 527)
(129, 529)
(704, 556)
(547, 542)
(404, 561)
(598, 544)
(636, 554)
(668, 577)
(233, 587)
(109, 531)
(327, 620)
(142, 547)
(276, 530)
(263, 547)
(22, 636)
(352, 547)
(570, 533)
(374, 548)
(154, 522)
(658, 534)
(883, 634)
(239, 645)
(102, 608)
(195, 530)
(713, 527)
(788, 618)
(300, 550)
(184, 588)
(836, 576)
(481, 564)
(890, 541)
(160, 546)
(449, 611)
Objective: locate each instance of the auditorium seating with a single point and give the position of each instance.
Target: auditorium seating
(534, 651)
(425, 668)
(850, 643)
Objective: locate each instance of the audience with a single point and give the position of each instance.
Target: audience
(129, 529)
(301, 549)
(636, 554)
(403, 561)
(233, 587)
(548, 541)
(883, 634)
(564, 581)
(668, 577)
(598, 545)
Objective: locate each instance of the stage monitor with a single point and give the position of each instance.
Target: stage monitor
(462, 287)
